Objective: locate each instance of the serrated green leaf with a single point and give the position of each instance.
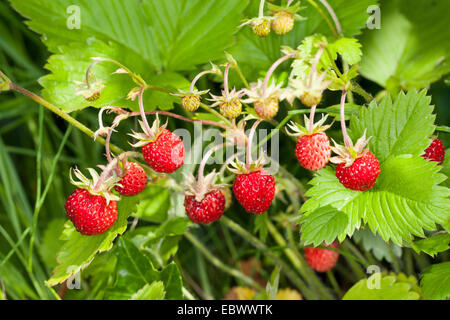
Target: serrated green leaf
(155, 204)
(348, 48)
(182, 29)
(376, 245)
(153, 291)
(400, 127)
(411, 49)
(390, 288)
(79, 250)
(405, 200)
(50, 243)
(324, 224)
(134, 270)
(432, 245)
(435, 281)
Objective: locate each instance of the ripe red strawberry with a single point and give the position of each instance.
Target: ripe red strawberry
(322, 260)
(435, 151)
(166, 153)
(134, 180)
(90, 214)
(361, 175)
(208, 210)
(313, 151)
(254, 190)
(313, 148)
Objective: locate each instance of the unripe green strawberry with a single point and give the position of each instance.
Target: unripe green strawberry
(231, 109)
(283, 22)
(261, 27)
(266, 108)
(190, 102)
(311, 97)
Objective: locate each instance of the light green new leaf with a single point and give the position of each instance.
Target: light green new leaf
(153, 291)
(405, 200)
(435, 281)
(411, 49)
(79, 250)
(348, 48)
(432, 245)
(400, 127)
(382, 287)
(324, 224)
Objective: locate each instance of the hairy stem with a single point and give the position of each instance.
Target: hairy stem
(225, 78)
(311, 118)
(197, 77)
(325, 16)
(333, 16)
(347, 140)
(272, 69)
(60, 113)
(205, 160)
(248, 157)
(261, 8)
(142, 111)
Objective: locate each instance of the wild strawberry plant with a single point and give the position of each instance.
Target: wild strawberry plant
(361, 185)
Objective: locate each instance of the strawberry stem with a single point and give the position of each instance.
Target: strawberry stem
(205, 159)
(248, 158)
(142, 113)
(225, 79)
(314, 65)
(342, 114)
(261, 9)
(197, 77)
(272, 69)
(333, 16)
(311, 118)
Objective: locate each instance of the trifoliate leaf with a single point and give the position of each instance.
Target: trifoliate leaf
(432, 245)
(400, 127)
(324, 224)
(435, 281)
(382, 287)
(405, 200)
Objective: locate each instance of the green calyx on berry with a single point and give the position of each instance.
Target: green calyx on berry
(298, 130)
(348, 155)
(92, 184)
(239, 167)
(198, 188)
(260, 25)
(147, 137)
(230, 105)
(4, 82)
(287, 9)
(190, 100)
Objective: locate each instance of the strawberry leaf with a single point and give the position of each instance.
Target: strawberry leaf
(405, 200)
(432, 245)
(79, 250)
(384, 287)
(435, 281)
(153, 291)
(400, 127)
(323, 225)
